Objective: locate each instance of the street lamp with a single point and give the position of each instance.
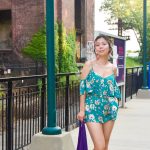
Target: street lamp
(51, 128)
(144, 44)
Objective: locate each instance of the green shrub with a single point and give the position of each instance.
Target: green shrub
(1, 92)
(67, 53)
(133, 62)
(65, 48)
(36, 48)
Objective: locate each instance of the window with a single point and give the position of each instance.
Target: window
(5, 30)
(79, 25)
(78, 14)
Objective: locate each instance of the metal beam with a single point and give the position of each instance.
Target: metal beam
(51, 128)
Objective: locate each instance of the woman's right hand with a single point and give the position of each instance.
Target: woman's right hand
(81, 115)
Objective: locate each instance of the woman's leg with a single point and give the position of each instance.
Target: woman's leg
(97, 135)
(107, 129)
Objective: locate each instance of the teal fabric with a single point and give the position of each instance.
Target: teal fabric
(102, 95)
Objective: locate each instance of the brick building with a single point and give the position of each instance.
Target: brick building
(20, 19)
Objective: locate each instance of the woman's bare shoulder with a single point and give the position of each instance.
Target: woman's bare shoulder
(89, 63)
(86, 69)
(114, 69)
(111, 64)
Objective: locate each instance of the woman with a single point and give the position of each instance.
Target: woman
(99, 94)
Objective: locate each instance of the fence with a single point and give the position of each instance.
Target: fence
(13, 70)
(134, 81)
(23, 107)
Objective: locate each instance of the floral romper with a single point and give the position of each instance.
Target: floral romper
(101, 104)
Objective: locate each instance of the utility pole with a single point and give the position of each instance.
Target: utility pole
(119, 27)
(144, 45)
(51, 128)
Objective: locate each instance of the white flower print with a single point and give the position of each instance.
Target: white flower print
(106, 107)
(91, 116)
(109, 82)
(92, 106)
(102, 81)
(100, 119)
(97, 102)
(110, 99)
(111, 88)
(114, 108)
(82, 84)
(88, 85)
(87, 108)
(104, 93)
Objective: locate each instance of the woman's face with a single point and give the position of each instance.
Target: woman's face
(102, 47)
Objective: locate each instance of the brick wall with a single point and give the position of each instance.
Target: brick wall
(27, 17)
(90, 21)
(68, 14)
(5, 4)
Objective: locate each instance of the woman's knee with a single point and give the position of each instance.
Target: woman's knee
(100, 146)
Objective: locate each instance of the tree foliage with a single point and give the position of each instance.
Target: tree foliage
(131, 13)
(56, 48)
(36, 48)
(65, 48)
(67, 53)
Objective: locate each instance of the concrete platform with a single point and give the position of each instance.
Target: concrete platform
(52, 142)
(143, 94)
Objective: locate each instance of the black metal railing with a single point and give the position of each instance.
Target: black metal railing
(13, 70)
(21, 112)
(23, 107)
(134, 80)
(67, 99)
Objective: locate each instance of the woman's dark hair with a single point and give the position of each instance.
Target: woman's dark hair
(107, 38)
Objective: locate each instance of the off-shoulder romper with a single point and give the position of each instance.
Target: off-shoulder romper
(102, 95)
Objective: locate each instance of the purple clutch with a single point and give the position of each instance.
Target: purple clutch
(82, 139)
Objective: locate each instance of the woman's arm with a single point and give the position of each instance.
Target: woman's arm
(115, 70)
(84, 73)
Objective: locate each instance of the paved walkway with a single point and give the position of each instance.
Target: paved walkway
(132, 128)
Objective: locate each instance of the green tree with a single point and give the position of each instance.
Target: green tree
(67, 52)
(65, 48)
(131, 13)
(36, 48)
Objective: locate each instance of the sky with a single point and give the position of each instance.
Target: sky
(101, 25)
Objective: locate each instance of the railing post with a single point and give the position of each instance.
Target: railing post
(137, 74)
(149, 76)
(66, 103)
(9, 130)
(126, 85)
(43, 106)
(131, 83)
(144, 45)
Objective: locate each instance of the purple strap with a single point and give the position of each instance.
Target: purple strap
(82, 139)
